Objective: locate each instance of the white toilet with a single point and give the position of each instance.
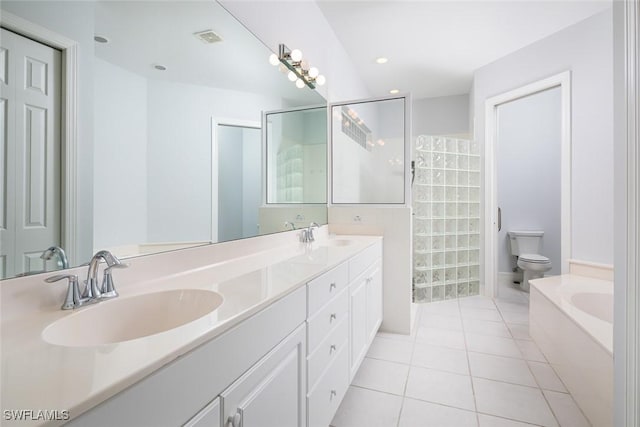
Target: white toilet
(526, 246)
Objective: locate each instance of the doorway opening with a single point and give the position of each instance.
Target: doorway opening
(527, 105)
(237, 163)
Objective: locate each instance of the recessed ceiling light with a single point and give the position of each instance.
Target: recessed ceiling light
(160, 67)
(394, 91)
(382, 60)
(100, 39)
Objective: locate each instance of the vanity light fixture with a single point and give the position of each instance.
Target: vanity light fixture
(298, 70)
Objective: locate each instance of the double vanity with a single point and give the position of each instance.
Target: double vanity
(261, 332)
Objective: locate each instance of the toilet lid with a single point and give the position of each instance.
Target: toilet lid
(534, 258)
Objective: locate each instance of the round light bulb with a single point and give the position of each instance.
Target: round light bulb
(296, 55)
(304, 64)
(382, 60)
(292, 76)
(273, 59)
(313, 72)
(299, 84)
(394, 91)
(320, 80)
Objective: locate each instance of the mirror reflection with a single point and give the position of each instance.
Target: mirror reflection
(297, 156)
(368, 143)
(170, 100)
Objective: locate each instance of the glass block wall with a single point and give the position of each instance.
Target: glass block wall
(446, 215)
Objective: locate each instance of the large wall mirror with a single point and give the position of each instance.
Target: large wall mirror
(169, 154)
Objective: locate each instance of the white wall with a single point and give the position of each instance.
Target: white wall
(73, 20)
(394, 224)
(528, 160)
(120, 156)
(179, 154)
(301, 24)
(587, 50)
(444, 115)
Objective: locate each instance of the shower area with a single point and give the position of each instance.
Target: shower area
(446, 218)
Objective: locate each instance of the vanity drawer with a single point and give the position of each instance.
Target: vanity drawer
(323, 288)
(327, 352)
(324, 399)
(362, 261)
(327, 319)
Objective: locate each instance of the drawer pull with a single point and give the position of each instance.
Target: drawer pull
(332, 317)
(369, 279)
(333, 393)
(236, 419)
(332, 348)
(332, 286)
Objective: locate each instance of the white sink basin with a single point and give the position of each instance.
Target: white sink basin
(124, 319)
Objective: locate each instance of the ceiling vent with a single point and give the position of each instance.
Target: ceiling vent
(208, 36)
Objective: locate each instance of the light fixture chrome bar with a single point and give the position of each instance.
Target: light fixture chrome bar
(285, 57)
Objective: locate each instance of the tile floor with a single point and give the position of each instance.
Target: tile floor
(469, 362)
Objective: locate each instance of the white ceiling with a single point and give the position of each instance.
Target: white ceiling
(434, 46)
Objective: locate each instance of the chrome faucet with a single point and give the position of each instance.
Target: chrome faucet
(56, 250)
(91, 289)
(306, 235)
(91, 293)
(72, 299)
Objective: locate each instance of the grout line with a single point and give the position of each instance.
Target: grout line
(531, 371)
(376, 390)
(529, 362)
(535, 387)
(509, 419)
(387, 360)
(555, 417)
(473, 390)
(406, 381)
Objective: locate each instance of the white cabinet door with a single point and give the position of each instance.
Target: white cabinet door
(358, 317)
(374, 301)
(272, 393)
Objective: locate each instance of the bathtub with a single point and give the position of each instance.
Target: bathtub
(571, 320)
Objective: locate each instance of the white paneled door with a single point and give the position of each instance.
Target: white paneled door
(30, 94)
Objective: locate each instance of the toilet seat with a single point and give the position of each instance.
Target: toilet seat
(534, 259)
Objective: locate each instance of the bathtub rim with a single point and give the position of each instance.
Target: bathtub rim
(551, 288)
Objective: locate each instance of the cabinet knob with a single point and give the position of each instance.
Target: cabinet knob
(332, 317)
(332, 286)
(236, 419)
(333, 394)
(369, 279)
(332, 348)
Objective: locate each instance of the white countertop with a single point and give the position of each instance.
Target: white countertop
(37, 375)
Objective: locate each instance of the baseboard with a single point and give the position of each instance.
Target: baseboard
(591, 269)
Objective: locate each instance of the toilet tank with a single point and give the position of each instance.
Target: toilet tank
(525, 242)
